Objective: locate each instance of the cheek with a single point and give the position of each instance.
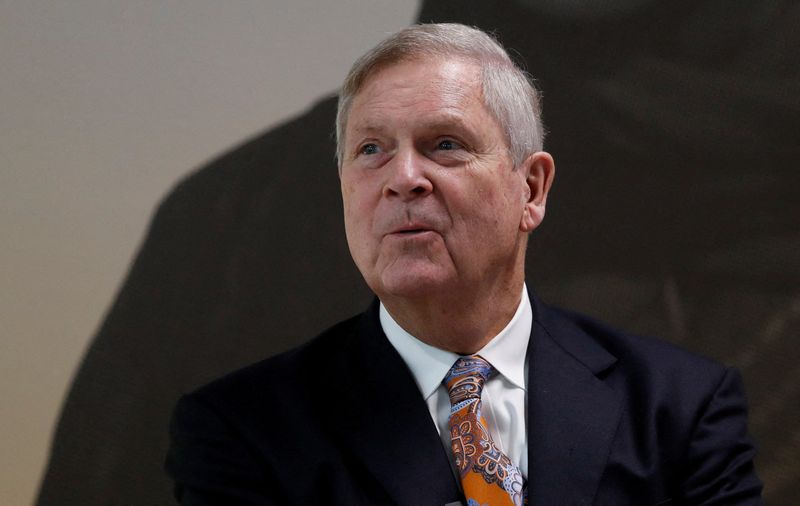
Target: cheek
(359, 211)
(347, 191)
(498, 215)
(352, 202)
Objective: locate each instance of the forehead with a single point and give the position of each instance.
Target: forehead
(423, 91)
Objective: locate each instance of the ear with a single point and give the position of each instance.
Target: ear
(539, 170)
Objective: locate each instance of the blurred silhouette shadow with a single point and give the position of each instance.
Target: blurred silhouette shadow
(675, 212)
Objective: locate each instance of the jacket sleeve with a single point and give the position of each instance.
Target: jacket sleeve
(720, 454)
(211, 463)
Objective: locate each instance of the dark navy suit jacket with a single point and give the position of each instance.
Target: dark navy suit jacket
(613, 419)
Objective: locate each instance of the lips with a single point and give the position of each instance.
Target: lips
(411, 229)
(407, 224)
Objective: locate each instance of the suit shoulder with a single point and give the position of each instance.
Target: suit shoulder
(645, 358)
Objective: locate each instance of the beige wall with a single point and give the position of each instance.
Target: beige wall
(105, 104)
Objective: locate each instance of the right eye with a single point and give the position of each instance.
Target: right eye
(368, 149)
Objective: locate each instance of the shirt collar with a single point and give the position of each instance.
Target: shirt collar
(429, 365)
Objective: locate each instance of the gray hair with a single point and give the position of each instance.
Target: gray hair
(508, 92)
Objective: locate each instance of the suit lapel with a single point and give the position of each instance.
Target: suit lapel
(391, 429)
(572, 415)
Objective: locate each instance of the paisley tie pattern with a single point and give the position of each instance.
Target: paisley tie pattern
(488, 476)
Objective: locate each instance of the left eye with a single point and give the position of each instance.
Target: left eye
(447, 145)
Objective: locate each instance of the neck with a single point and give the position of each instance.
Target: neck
(457, 323)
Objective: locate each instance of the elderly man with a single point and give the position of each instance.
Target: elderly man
(458, 385)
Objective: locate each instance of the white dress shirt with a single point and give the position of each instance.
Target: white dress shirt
(504, 396)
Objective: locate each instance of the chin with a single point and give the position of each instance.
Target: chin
(411, 284)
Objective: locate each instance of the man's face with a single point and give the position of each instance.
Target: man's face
(432, 202)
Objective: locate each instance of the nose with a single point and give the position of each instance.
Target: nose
(408, 178)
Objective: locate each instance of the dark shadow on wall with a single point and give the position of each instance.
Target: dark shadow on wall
(675, 213)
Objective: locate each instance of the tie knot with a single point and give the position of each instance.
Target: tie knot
(466, 378)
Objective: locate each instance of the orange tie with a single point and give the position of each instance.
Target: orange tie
(488, 476)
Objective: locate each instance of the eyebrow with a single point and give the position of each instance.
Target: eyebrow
(439, 121)
(369, 128)
(446, 121)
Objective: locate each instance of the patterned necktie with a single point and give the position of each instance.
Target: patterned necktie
(487, 475)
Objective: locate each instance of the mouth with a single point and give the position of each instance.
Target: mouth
(413, 230)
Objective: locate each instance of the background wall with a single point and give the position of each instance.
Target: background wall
(105, 104)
